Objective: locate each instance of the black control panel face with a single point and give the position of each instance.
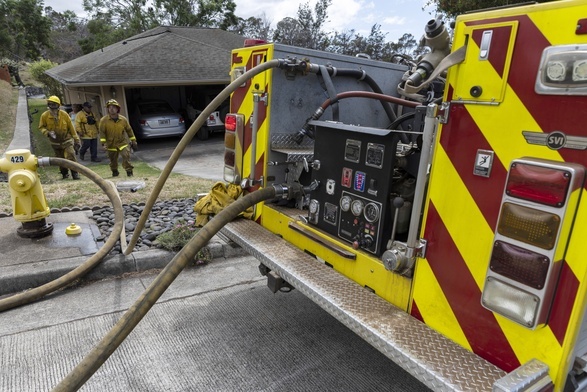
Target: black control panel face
(355, 176)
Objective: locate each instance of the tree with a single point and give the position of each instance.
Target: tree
(200, 13)
(254, 27)
(342, 42)
(24, 30)
(288, 32)
(305, 31)
(452, 8)
(66, 30)
(131, 16)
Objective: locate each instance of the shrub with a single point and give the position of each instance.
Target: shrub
(176, 238)
(37, 71)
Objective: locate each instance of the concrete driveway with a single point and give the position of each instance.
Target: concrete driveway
(201, 158)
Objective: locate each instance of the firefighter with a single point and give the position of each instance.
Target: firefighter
(115, 135)
(56, 125)
(87, 128)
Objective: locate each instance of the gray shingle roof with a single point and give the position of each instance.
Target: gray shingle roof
(163, 55)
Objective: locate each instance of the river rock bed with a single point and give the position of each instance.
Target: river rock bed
(163, 217)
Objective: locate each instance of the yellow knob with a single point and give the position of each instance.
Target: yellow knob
(73, 229)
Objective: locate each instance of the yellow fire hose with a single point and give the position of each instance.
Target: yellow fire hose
(110, 342)
(109, 189)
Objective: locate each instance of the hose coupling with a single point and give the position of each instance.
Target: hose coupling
(288, 192)
(44, 162)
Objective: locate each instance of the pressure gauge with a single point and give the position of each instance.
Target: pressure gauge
(357, 207)
(313, 207)
(345, 203)
(371, 212)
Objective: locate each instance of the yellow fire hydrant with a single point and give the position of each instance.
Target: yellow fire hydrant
(29, 205)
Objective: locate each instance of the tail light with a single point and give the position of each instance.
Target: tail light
(233, 125)
(181, 120)
(537, 209)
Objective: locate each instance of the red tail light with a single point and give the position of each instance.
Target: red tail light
(143, 122)
(230, 122)
(181, 120)
(542, 185)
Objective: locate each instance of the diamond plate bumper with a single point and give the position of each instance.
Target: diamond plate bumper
(436, 361)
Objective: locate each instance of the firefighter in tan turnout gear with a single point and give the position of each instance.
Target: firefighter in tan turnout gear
(86, 126)
(56, 125)
(115, 136)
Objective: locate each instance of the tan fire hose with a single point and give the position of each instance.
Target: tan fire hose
(109, 189)
(110, 342)
(185, 140)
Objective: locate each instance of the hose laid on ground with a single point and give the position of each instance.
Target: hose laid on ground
(110, 342)
(185, 140)
(109, 189)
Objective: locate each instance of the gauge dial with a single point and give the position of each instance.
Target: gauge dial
(313, 206)
(345, 203)
(371, 212)
(357, 207)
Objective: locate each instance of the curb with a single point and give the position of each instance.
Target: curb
(18, 278)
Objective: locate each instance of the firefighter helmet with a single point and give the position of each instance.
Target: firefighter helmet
(112, 102)
(54, 99)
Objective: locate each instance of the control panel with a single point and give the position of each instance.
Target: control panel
(355, 176)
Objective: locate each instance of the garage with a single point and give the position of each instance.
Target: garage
(180, 65)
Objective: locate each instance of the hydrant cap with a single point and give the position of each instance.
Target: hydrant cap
(73, 229)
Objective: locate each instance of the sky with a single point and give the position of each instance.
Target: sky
(396, 17)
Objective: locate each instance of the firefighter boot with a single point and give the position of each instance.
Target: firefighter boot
(129, 173)
(115, 173)
(75, 175)
(64, 173)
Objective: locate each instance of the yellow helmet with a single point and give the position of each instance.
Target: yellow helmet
(112, 102)
(54, 99)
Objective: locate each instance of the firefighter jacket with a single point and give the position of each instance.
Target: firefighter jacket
(65, 134)
(86, 125)
(115, 134)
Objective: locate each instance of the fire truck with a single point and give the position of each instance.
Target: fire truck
(443, 218)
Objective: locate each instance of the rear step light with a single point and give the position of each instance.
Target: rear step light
(538, 206)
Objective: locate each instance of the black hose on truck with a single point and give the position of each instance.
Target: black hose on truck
(102, 351)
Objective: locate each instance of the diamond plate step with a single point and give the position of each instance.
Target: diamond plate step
(436, 361)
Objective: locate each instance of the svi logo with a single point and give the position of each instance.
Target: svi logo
(556, 140)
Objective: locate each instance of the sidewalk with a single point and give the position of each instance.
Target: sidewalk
(27, 263)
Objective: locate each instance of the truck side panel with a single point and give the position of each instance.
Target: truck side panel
(463, 207)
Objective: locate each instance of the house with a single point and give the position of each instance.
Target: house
(178, 64)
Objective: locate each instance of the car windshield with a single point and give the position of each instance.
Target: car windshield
(155, 107)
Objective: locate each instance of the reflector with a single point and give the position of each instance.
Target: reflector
(529, 225)
(539, 184)
(511, 302)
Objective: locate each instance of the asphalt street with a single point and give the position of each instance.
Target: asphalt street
(217, 328)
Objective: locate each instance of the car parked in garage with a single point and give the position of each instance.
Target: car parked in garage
(155, 119)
